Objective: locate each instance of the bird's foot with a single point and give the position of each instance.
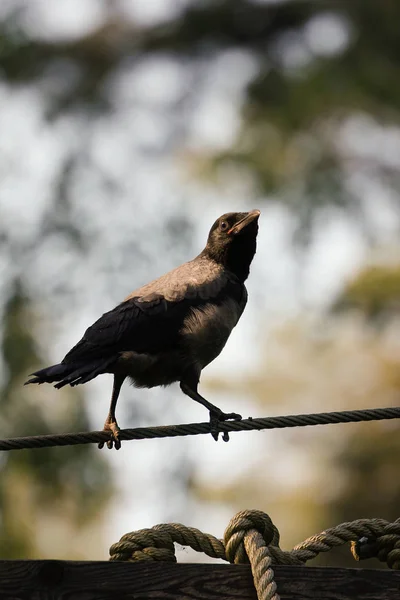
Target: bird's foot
(114, 441)
(216, 416)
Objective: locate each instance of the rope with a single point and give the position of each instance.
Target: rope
(385, 547)
(251, 537)
(141, 433)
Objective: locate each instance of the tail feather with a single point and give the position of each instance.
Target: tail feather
(49, 374)
(71, 373)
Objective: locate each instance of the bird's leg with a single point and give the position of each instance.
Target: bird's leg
(111, 424)
(189, 387)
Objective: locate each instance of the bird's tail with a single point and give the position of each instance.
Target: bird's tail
(71, 373)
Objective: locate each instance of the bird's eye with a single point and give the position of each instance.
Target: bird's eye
(223, 226)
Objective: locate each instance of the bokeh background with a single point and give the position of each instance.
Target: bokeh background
(126, 128)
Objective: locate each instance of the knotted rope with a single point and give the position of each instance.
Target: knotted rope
(251, 537)
(384, 546)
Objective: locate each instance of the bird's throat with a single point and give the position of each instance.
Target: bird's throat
(235, 257)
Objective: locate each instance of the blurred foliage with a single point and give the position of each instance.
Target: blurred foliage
(317, 63)
(375, 291)
(42, 486)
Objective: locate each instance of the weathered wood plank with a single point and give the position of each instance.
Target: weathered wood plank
(67, 580)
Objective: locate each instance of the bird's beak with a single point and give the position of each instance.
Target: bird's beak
(240, 225)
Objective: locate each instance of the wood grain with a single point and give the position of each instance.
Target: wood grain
(65, 580)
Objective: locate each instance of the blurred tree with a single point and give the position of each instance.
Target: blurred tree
(57, 491)
(375, 291)
(322, 93)
(367, 463)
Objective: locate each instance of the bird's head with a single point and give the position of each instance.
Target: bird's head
(232, 241)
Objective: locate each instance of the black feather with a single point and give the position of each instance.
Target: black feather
(148, 324)
(71, 373)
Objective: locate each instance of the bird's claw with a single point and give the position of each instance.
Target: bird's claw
(114, 441)
(216, 417)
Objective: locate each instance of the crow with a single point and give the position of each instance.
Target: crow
(169, 329)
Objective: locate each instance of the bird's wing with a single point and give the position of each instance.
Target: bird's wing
(149, 320)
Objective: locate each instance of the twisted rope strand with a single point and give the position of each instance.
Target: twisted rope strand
(162, 537)
(141, 433)
(261, 566)
(384, 546)
(337, 536)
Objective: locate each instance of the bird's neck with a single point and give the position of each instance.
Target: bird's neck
(236, 258)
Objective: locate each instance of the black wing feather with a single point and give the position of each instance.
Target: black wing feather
(132, 325)
(148, 324)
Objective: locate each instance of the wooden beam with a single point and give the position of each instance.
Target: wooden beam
(62, 580)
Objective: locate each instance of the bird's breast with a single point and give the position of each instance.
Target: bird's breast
(206, 329)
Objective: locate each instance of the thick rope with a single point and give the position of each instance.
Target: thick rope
(160, 540)
(385, 547)
(251, 537)
(141, 433)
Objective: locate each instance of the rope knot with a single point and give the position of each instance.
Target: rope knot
(244, 523)
(385, 547)
(153, 544)
(157, 543)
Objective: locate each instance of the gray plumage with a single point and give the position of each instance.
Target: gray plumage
(171, 328)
